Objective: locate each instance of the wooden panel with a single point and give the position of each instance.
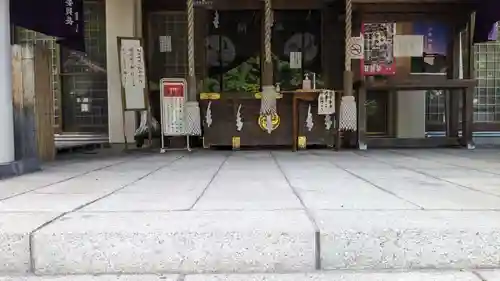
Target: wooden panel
(223, 127)
(318, 135)
(18, 103)
(44, 104)
(33, 102)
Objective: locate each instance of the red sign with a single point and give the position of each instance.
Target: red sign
(173, 89)
(379, 49)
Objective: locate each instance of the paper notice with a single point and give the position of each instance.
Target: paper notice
(295, 60)
(165, 43)
(408, 45)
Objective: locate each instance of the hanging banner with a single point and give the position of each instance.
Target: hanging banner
(63, 19)
(378, 49)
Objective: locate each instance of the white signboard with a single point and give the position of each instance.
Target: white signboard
(408, 45)
(295, 60)
(173, 92)
(356, 48)
(326, 102)
(133, 74)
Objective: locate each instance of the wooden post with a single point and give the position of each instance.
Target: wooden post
(452, 97)
(33, 104)
(468, 95)
(43, 101)
(18, 102)
(362, 116)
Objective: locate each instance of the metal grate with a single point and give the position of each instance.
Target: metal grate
(26, 36)
(172, 63)
(487, 73)
(487, 97)
(435, 107)
(84, 76)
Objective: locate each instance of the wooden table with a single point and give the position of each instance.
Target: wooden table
(309, 96)
(457, 86)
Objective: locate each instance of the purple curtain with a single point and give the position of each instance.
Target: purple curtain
(487, 15)
(59, 18)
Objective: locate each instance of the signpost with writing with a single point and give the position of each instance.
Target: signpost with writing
(175, 111)
(133, 80)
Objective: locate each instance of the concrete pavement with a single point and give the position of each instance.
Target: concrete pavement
(484, 275)
(255, 212)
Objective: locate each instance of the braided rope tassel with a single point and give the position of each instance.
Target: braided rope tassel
(268, 99)
(190, 35)
(348, 112)
(267, 30)
(348, 32)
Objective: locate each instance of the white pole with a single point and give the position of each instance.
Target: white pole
(6, 108)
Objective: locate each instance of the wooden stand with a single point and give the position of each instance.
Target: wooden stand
(465, 87)
(132, 107)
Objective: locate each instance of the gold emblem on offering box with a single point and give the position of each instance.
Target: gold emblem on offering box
(302, 142)
(275, 121)
(209, 96)
(236, 142)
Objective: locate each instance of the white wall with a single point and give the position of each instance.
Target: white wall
(120, 15)
(6, 110)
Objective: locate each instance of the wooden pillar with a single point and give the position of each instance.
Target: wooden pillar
(201, 26)
(44, 104)
(362, 116)
(452, 96)
(361, 95)
(468, 95)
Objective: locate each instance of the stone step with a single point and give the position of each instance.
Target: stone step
(317, 276)
(290, 241)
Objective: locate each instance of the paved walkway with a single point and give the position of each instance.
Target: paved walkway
(255, 212)
(484, 275)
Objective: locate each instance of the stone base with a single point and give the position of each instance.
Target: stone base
(176, 242)
(19, 167)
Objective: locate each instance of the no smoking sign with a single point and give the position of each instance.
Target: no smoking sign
(356, 48)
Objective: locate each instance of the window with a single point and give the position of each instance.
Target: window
(233, 50)
(487, 73)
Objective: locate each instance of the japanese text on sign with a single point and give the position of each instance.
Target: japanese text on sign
(133, 73)
(71, 16)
